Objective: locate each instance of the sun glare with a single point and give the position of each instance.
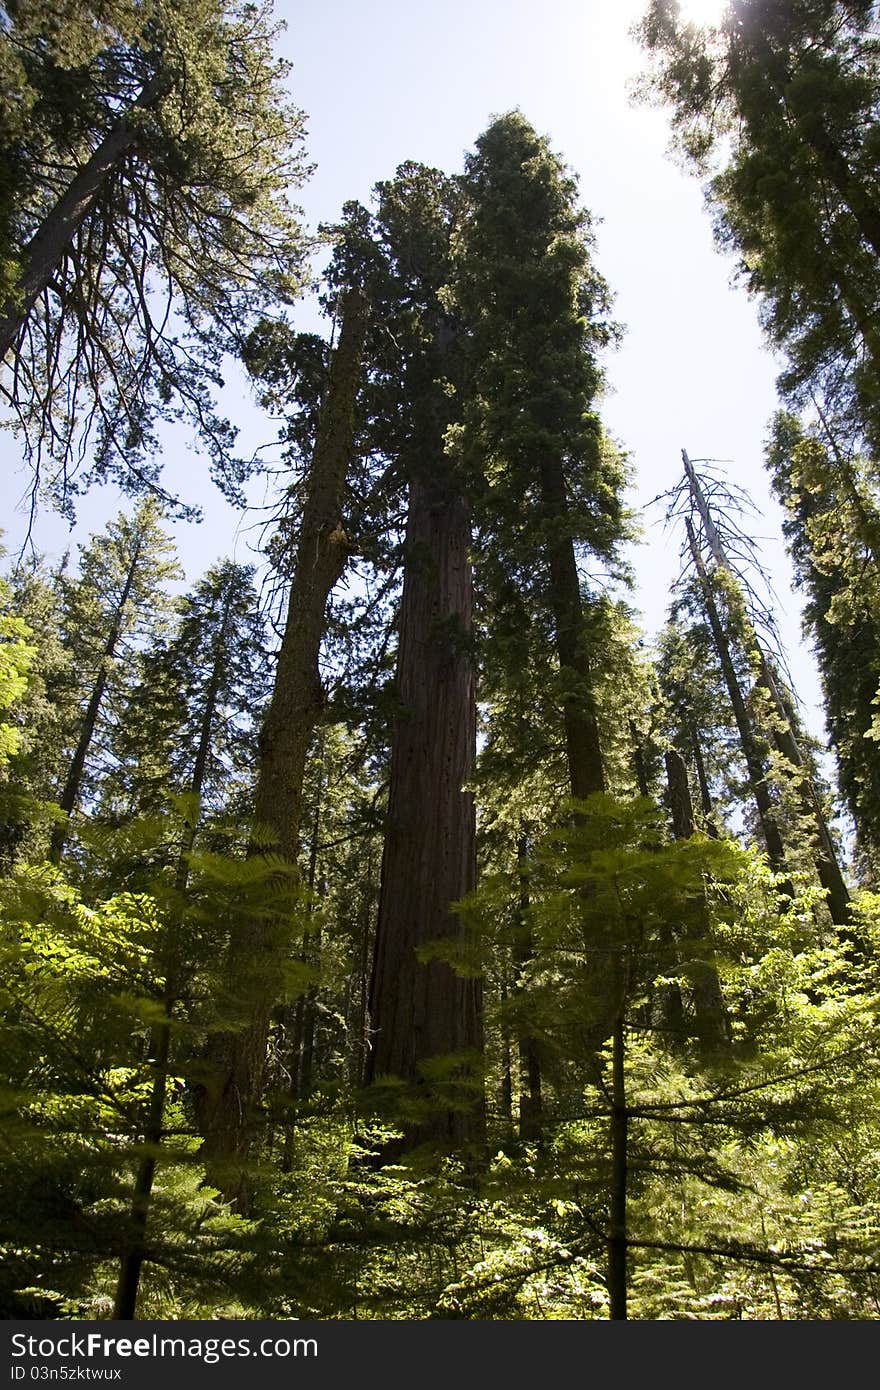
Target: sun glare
(702, 12)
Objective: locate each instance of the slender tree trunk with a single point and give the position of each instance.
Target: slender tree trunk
(706, 806)
(312, 945)
(680, 803)
(237, 1058)
(669, 1006)
(302, 1044)
(827, 867)
(298, 697)
(132, 1261)
(638, 755)
(44, 252)
(868, 519)
(531, 1105)
(583, 749)
(364, 966)
(617, 1233)
(423, 1010)
(73, 784)
(747, 737)
(709, 1011)
(838, 172)
(506, 1059)
(782, 731)
(310, 1019)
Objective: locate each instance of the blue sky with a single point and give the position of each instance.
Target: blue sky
(382, 81)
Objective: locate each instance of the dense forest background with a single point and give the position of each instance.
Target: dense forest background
(389, 931)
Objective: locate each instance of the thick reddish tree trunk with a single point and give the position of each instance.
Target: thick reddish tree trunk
(422, 1010)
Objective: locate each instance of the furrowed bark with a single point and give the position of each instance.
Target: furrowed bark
(423, 1010)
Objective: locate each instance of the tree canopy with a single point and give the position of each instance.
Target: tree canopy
(147, 155)
(388, 929)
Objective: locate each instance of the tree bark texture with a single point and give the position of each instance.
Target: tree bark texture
(638, 757)
(421, 1011)
(298, 697)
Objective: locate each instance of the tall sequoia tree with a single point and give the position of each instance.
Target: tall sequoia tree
(146, 152)
(546, 483)
(424, 1015)
(779, 102)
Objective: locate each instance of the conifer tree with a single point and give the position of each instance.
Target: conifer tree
(212, 656)
(146, 154)
(831, 526)
(45, 717)
(696, 716)
(109, 606)
(546, 483)
(16, 657)
(779, 103)
(425, 1017)
(189, 722)
(755, 749)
